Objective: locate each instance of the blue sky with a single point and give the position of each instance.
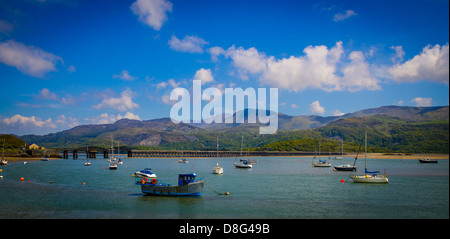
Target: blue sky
(66, 63)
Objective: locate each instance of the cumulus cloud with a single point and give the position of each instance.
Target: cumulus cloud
(319, 68)
(106, 118)
(125, 75)
(29, 60)
(315, 108)
(337, 113)
(204, 75)
(215, 52)
(399, 54)
(122, 103)
(28, 121)
(152, 12)
(342, 16)
(46, 94)
(191, 44)
(431, 64)
(422, 102)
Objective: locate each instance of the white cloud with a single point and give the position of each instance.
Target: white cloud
(315, 108)
(29, 60)
(191, 44)
(215, 52)
(357, 75)
(422, 102)
(431, 64)
(247, 60)
(123, 103)
(341, 17)
(46, 94)
(152, 12)
(294, 106)
(337, 113)
(204, 75)
(399, 54)
(106, 118)
(320, 68)
(125, 75)
(64, 121)
(19, 120)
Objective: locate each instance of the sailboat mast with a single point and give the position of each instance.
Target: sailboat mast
(217, 149)
(365, 150)
(242, 142)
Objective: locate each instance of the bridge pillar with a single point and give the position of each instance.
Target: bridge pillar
(92, 155)
(75, 154)
(105, 154)
(65, 154)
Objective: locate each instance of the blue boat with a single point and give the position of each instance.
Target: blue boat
(187, 186)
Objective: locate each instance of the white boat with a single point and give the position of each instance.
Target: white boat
(113, 166)
(112, 159)
(183, 160)
(242, 163)
(44, 158)
(320, 164)
(87, 163)
(369, 176)
(217, 169)
(145, 173)
(3, 161)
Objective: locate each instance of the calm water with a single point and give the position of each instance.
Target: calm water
(275, 188)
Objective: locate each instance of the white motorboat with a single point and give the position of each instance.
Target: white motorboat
(369, 176)
(145, 173)
(87, 163)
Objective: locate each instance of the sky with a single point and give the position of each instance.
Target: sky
(68, 63)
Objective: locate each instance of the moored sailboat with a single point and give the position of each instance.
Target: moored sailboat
(217, 169)
(369, 176)
(243, 163)
(321, 163)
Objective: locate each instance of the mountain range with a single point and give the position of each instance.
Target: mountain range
(392, 128)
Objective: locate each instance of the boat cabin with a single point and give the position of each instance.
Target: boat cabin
(184, 179)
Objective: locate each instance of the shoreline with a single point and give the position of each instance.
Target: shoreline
(350, 155)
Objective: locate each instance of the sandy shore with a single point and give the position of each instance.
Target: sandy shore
(19, 159)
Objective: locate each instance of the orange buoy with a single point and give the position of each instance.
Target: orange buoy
(84, 183)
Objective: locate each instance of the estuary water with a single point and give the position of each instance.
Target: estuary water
(277, 187)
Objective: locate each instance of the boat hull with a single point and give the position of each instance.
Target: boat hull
(242, 165)
(191, 189)
(345, 168)
(427, 161)
(369, 179)
(217, 170)
(321, 165)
